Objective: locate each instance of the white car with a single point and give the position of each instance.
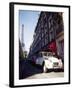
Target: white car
(48, 61)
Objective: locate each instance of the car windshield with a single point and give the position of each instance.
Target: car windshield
(45, 54)
(50, 54)
(45, 58)
(42, 54)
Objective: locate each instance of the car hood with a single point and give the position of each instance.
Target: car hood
(53, 59)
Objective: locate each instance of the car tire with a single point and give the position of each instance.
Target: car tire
(43, 64)
(44, 69)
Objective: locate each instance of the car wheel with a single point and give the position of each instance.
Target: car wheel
(44, 69)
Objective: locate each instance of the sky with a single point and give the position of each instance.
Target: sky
(29, 19)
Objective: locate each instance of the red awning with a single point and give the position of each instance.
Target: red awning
(52, 46)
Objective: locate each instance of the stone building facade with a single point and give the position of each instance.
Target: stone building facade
(48, 34)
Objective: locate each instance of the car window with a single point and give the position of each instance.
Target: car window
(45, 54)
(50, 54)
(46, 58)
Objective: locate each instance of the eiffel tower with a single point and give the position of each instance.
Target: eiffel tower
(22, 38)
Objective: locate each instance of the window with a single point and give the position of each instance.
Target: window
(46, 39)
(42, 34)
(49, 25)
(51, 34)
(45, 31)
(42, 42)
(39, 38)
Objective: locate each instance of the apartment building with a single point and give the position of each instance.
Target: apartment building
(48, 34)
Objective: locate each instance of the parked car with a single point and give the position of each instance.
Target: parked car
(48, 61)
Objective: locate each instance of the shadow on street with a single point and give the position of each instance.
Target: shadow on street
(26, 69)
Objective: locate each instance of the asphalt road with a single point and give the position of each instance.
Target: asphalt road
(27, 70)
(47, 75)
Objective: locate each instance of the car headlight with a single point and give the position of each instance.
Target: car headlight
(60, 62)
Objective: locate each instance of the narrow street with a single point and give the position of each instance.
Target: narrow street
(29, 71)
(47, 75)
